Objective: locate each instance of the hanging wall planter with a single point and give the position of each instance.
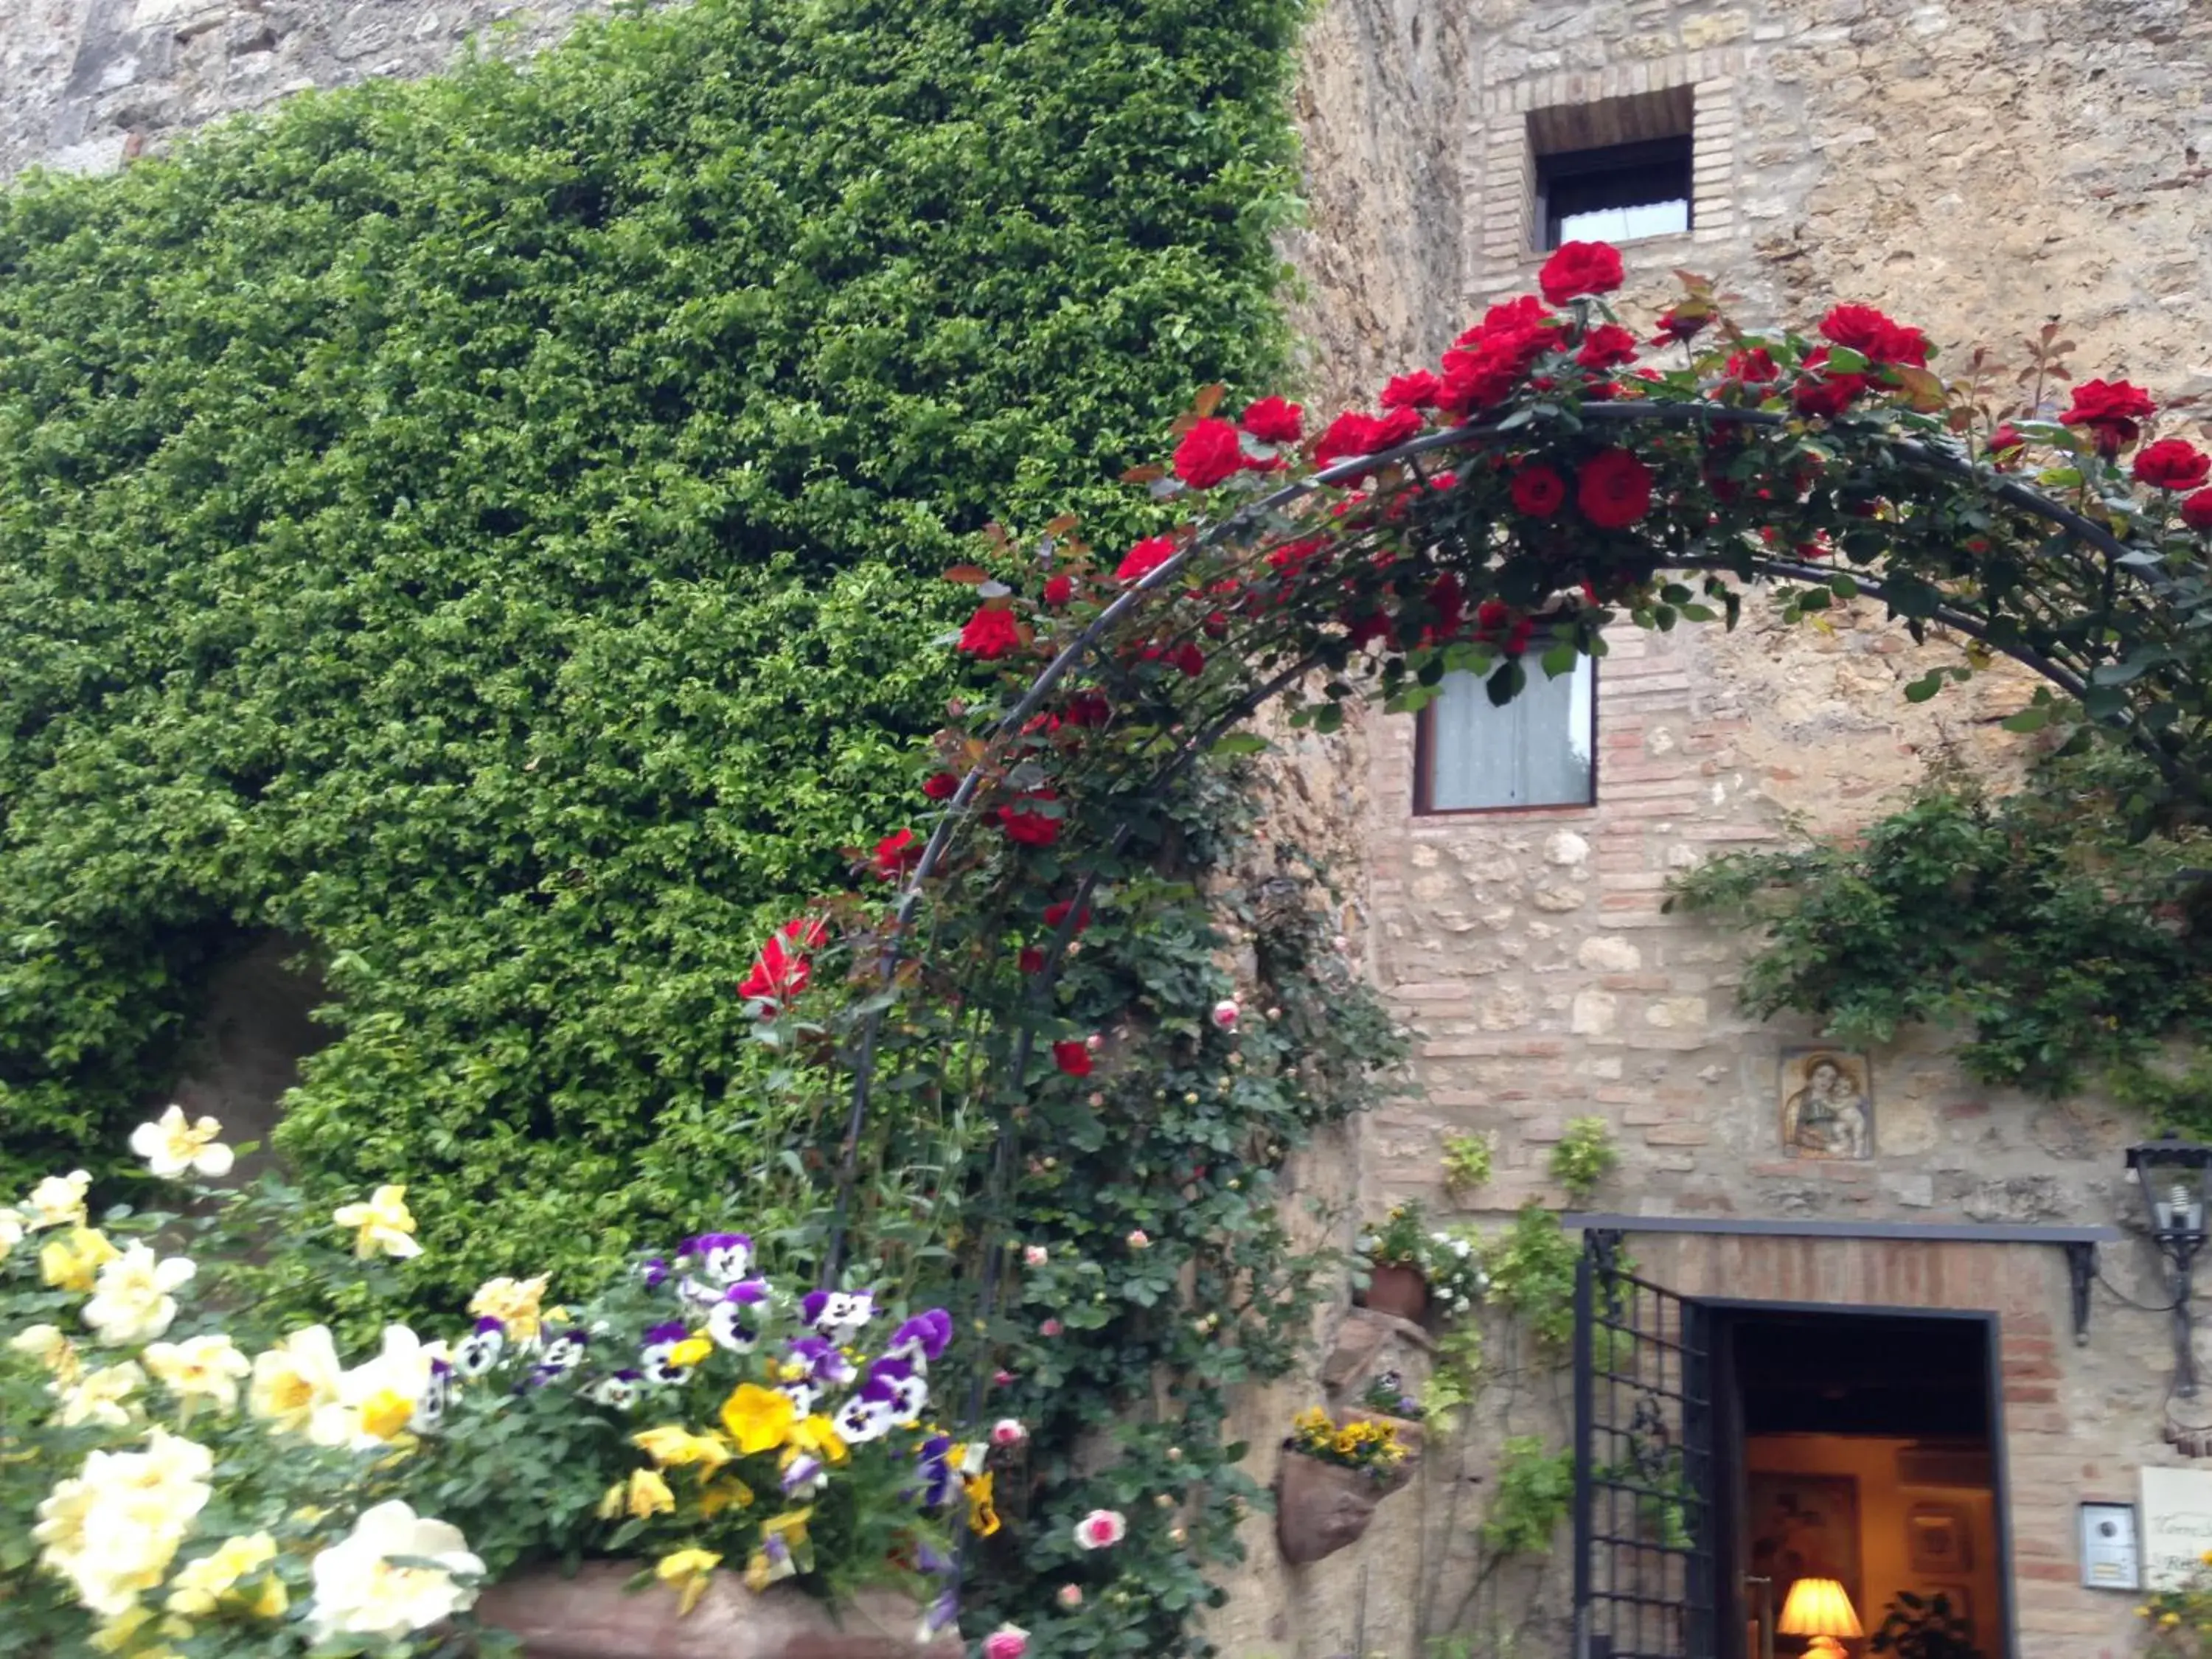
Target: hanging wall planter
(1398, 1289)
(591, 1616)
(1322, 1507)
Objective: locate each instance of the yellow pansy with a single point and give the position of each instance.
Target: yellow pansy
(644, 1494)
(982, 1517)
(515, 1303)
(818, 1434)
(690, 1351)
(674, 1447)
(727, 1493)
(383, 1225)
(759, 1419)
(783, 1552)
(386, 1412)
(688, 1571)
(72, 1262)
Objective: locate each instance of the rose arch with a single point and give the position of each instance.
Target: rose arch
(1557, 473)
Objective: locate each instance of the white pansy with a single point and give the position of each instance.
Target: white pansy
(58, 1201)
(131, 1300)
(360, 1589)
(172, 1146)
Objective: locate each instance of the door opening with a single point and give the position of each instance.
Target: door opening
(1861, 1448)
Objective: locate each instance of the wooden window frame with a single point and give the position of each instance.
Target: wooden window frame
(1424, 739)
(1650, 170)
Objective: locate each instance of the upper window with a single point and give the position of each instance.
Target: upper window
(1614, 170)
(1540, 750)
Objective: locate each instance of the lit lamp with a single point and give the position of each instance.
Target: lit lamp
(2174, 1176)
(1818, 1608)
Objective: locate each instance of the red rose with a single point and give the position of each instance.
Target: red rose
(896, 855)
(1349, 434)
(1188, 658)
(781, 970)
(1088, 708)
(1059, 589)
(1491, 615)
(1448, 603)
(2196, 511)
(1032, 960)
(1025, 821)
(1209, 451)
(1875, 337)
(1397, 427)
(1056, 914)
(1613, 489)
(941, 785)
(990, 633)
(2111, 410)
(1579, 268)
(1606, 346)
(1752, 368)
(1676, 325)
(1143, 558)
(1418, 389)
(1273, 421)
(1510, 317)
(1524, 628)
(2172, 464)
(1538, 491)
(1072, 1057)
(1822, 392)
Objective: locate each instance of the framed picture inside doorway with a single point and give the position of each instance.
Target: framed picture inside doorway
(1803, 1526)
(1938, 1539)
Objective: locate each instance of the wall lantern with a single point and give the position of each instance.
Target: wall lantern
(2176, 1178)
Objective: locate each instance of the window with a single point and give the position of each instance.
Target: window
(1614, 170)
(1538, 750)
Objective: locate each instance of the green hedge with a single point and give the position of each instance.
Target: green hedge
(487, 527)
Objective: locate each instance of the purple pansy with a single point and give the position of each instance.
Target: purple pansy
(922, 1338)
(837, 1314)
(866, 1416)
(824, 1360)
(660, 1341)
(619, 1391)
(480, 1350)
(804, 1475)
(729, 1320)
(430, 1410)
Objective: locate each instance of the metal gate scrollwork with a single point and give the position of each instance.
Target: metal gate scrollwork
(1645, 1546)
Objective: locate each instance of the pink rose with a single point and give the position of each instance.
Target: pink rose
(1225, 1013)
(1101, 1529)
(1071, 1596)
(1034, 1255)
(1139, 1239)
(1008, 1431)
(1050, 1328)
(1007, 1641)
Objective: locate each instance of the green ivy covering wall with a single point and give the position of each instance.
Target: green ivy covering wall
(490, 528)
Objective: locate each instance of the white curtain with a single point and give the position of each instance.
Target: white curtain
(1536, 751)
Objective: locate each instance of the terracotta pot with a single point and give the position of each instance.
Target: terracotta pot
(592, 1617)
(1322, 1507)
(1400, 1290)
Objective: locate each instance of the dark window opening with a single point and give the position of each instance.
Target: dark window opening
(1616, 193)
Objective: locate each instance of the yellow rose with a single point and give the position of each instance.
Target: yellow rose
(100, 1396)
(73, 1262)
(515, 1303)
(296, 1386)
(47, 1345)
(200, 1368)
(131, 1300)
(381, 1225)
(58, 1201)
(200, 1587)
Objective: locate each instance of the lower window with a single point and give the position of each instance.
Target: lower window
(1540, 750)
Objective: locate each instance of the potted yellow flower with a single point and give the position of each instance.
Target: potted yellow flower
(1333, 1475)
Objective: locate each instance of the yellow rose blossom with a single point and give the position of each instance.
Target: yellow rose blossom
(643, 1495)
(58, 1201)
(383, 1225)
(172, 1147)
(726, 1492)
(47, 1345)
(199, 1369)
(759, 1419)
(688, 1571)
(131, 1300)
(98, 1397)
(72, 1262)
(515, 1303)
(672, 1446)
(121, 1634)
(202, 1586)
(296, 1386)
(13, 1226)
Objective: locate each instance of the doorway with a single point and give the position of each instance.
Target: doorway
(1862, 1447)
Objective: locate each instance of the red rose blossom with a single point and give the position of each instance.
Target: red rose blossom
(1059, 589)
(1349, 434)
(781, 970)
(1606, 346)
(1579, 268)
(2172, 464)
(2197, 510)
(1677, 325)
(1538, 491)
(1143, 558)
(1613, 489)
(1055, 914)
(2112, 411)
(1025, 822)
(1088, 708)
(1418, 389)
(1491, 615)
(1072, 1057)
(2005, 443)
(991, 633)
(1821, 391)
(1273, 421)
(1752, 368)
(941, 785)
(1032, 960)
(896, 854)
(1209, 451)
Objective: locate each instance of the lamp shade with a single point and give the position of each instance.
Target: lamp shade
(1817, 1606)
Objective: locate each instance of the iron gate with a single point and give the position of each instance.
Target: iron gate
(1644, 1545)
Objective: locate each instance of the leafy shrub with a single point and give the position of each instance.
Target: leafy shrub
(483, 527)
(1585, 1155)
